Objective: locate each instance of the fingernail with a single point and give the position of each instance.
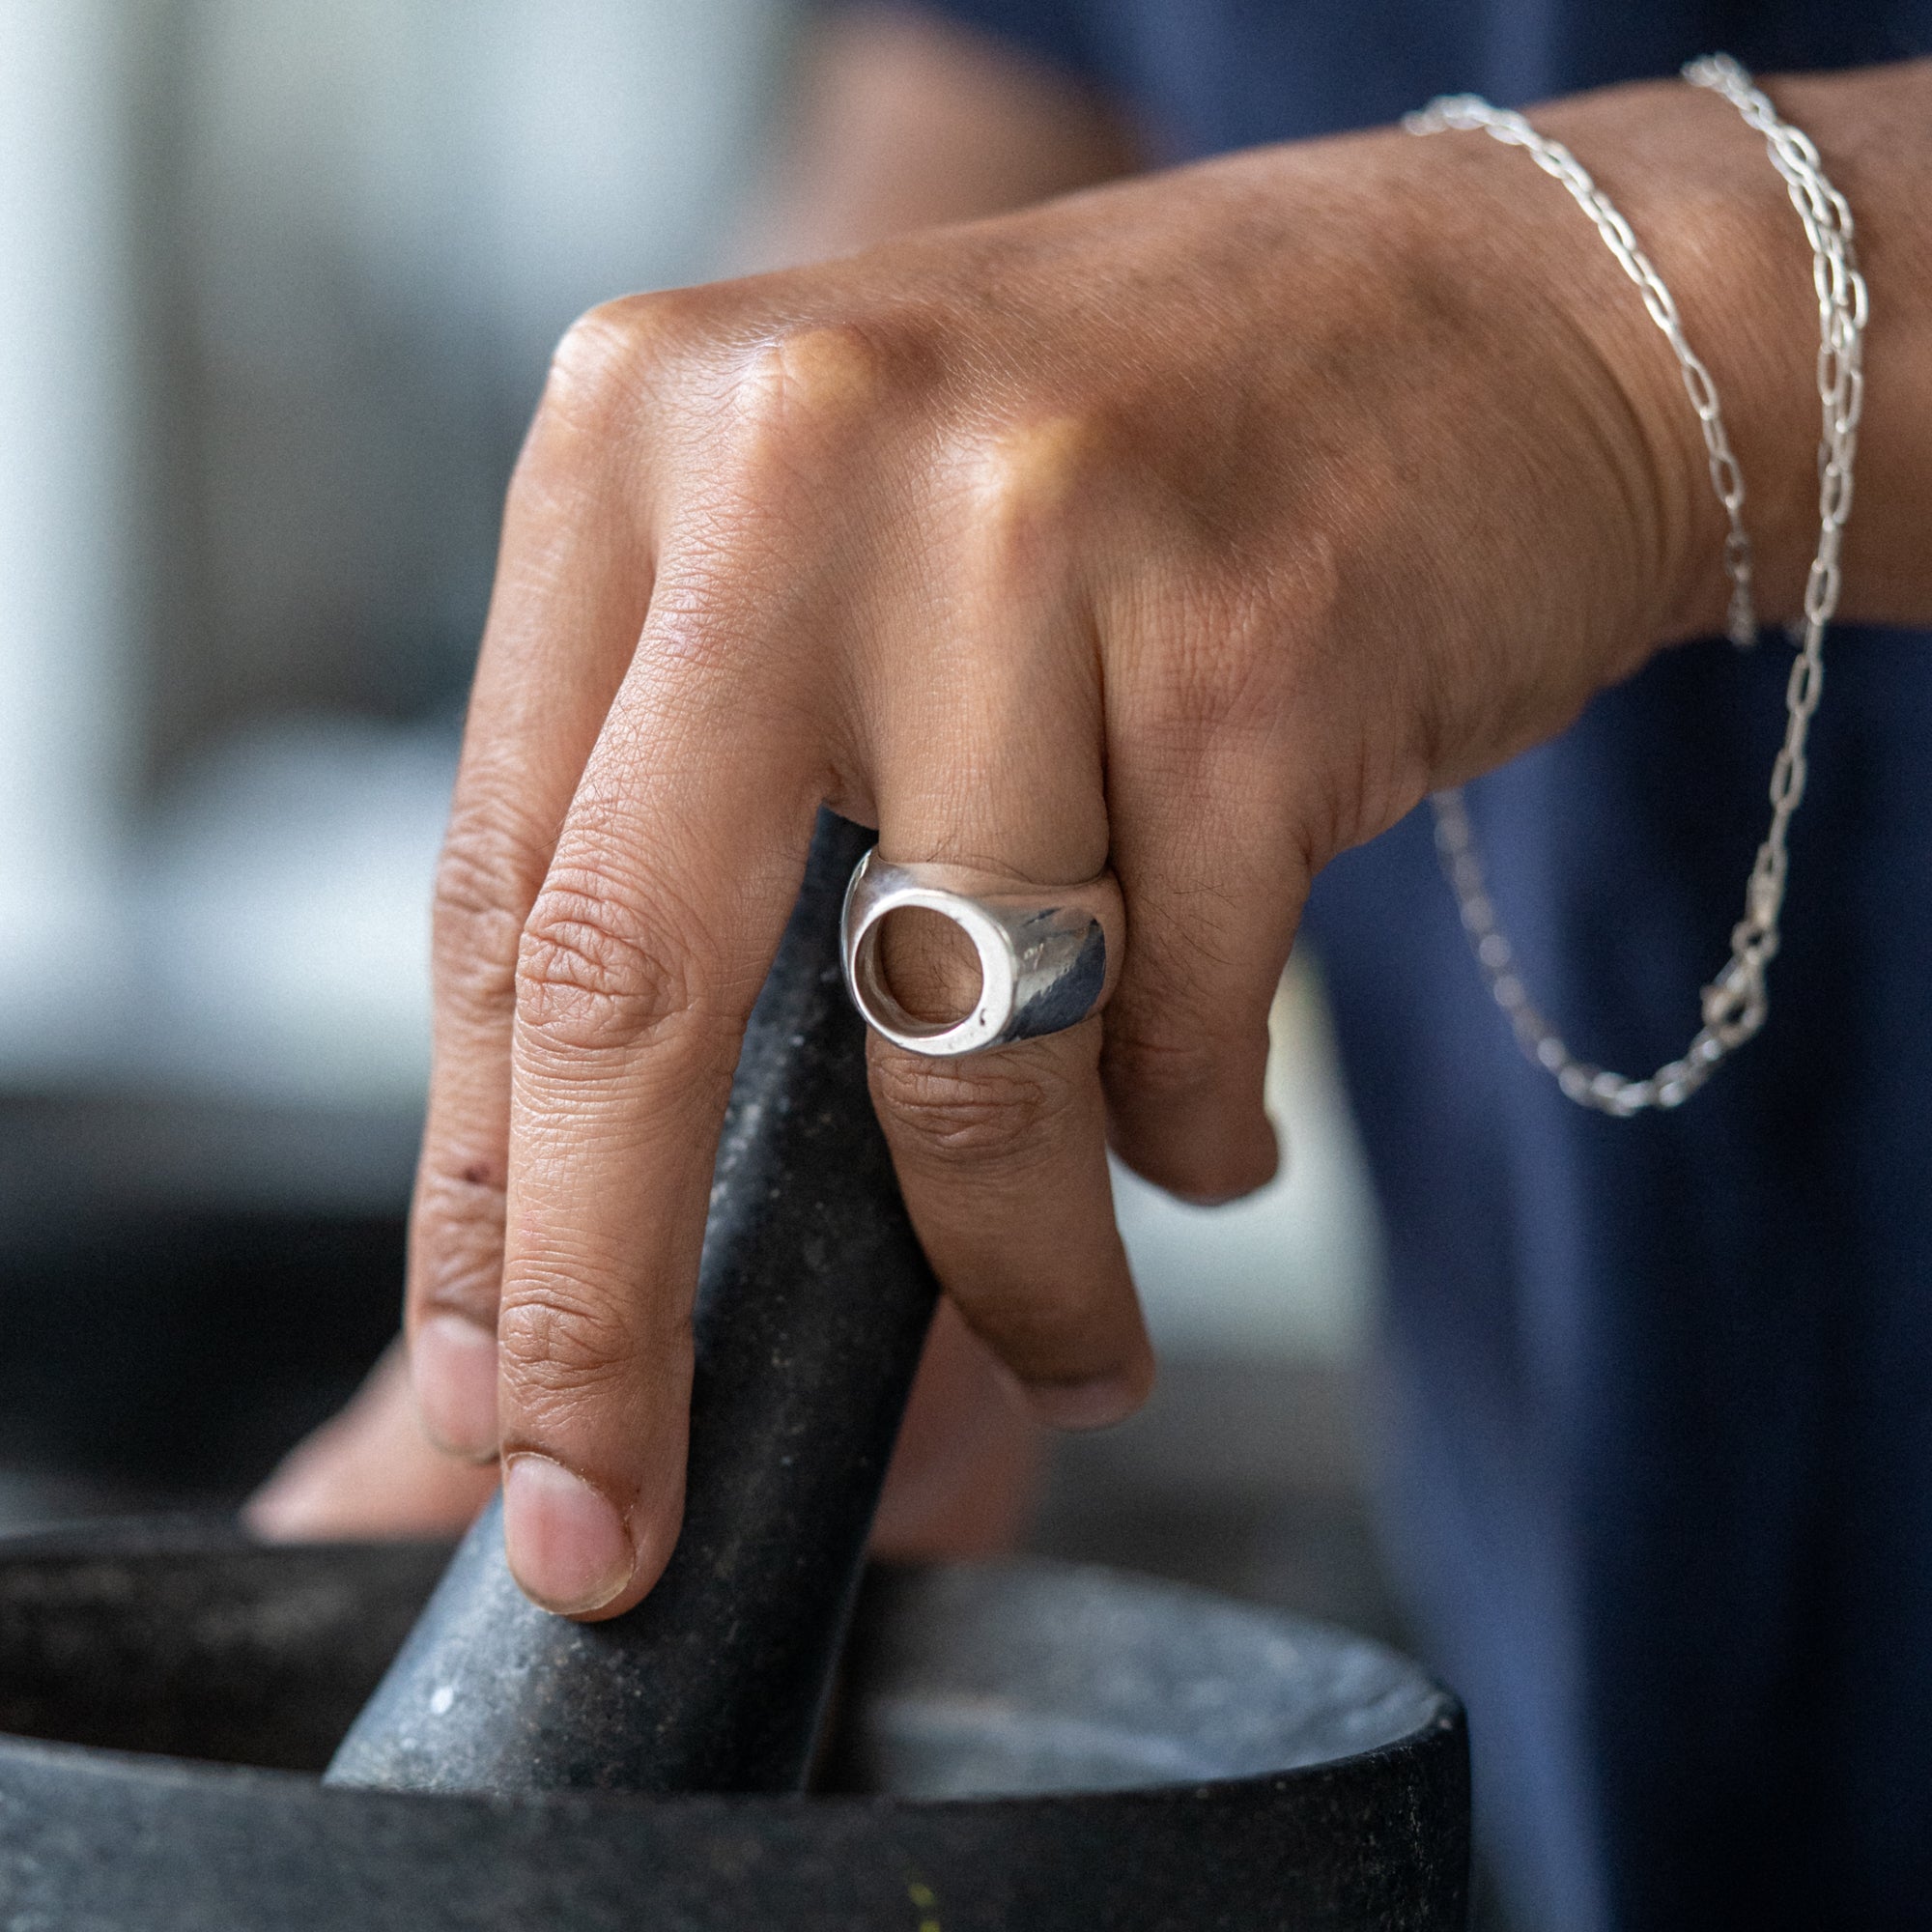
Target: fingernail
(453, 1369)
(568, 1548)
(1094, 1404)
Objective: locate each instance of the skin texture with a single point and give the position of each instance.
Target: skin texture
(1196, 526)
(903, 121)
(960, 1482)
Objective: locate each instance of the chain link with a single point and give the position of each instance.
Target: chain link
(1736, 1003)
(1468, 112)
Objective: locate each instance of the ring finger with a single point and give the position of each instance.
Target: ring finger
(1002, 1154)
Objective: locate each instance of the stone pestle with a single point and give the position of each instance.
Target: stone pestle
(812, 1306)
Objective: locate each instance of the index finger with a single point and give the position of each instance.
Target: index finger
(573, 588)
(640, 960)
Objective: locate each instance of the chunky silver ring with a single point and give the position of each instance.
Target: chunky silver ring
(1047, 957)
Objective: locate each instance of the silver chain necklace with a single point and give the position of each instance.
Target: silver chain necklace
(1736, 1003)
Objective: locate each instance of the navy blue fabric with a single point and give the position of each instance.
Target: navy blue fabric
(1660, 1391)
(1213, 74)
(1661, 1476)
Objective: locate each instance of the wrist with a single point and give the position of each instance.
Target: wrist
(1699, 188)
(1711, 213)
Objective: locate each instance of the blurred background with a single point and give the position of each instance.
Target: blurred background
(282, 278)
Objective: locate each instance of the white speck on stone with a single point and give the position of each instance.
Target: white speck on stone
(441, 1699)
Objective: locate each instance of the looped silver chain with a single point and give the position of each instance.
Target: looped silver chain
(1736, 1003)
(1469, 112)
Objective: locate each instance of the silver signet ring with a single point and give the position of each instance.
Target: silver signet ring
(1048, 956)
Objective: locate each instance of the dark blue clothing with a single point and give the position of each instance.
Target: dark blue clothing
(1661, 1390)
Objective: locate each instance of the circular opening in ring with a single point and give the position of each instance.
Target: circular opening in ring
(924, 968)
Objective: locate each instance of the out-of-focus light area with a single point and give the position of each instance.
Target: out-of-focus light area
(281, 281)
(281, 284)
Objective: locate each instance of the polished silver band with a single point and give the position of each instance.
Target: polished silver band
(1047, 957)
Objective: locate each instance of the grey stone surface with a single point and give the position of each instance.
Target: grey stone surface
(1061, 1751)
(1013, 1747)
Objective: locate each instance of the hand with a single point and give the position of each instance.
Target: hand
(369, 1474)
(1196, 527)
(961, 1480)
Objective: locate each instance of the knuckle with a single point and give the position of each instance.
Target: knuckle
(603, 365)
(822, 376)
(1032, 481)
(458, 1188)
(456, 1248)
(1166, 1063)
(557, 1335)
(997, 1109)
(593, 974)
(483, 886)
(800, 402)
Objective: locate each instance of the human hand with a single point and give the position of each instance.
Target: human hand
(1195, 528)
(959, 1485)
(370, 1474)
